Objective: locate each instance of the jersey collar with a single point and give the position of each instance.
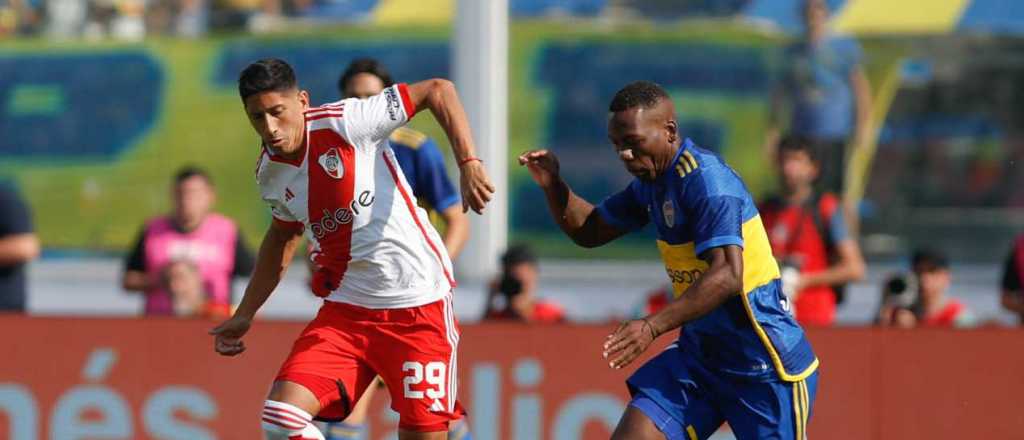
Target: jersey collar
(683, 146)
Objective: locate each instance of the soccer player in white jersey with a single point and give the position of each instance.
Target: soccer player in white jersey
(380, 266)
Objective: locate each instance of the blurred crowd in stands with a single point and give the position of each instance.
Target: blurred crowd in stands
(135, 19)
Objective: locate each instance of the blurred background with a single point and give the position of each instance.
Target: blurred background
(909, 113)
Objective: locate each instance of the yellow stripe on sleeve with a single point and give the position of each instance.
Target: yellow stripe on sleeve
(690, 159)
(797, 414)
(691, 433)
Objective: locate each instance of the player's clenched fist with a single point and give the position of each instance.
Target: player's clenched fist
(543, 166)
(227, 337)
(475, 185)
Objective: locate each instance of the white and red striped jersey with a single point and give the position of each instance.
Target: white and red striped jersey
(355, 206)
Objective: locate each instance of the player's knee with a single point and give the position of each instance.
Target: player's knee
(283, 421)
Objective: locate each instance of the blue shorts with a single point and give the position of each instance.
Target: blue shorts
(687, 401)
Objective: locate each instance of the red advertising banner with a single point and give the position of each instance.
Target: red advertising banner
(160, 379)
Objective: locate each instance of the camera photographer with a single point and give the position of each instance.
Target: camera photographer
(512, 295)
(1013, 278)
(920, 298)
(808, 234)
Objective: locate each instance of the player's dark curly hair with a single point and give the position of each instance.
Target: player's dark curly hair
(644, 94)
(797, 143)
(189, 171)
(364, 65)
(266, 75)
(517, 254)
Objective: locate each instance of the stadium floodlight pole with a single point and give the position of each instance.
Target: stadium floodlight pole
(480, 48)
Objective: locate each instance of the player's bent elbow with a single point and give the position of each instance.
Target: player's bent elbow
(437, 89)
(857, 272)
(586, 242)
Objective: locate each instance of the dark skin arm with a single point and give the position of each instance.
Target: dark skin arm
(577, 217)
(723, 279)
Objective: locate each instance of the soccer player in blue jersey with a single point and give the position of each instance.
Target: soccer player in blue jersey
(741, 357)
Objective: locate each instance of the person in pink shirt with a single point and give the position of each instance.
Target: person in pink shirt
(193, 234)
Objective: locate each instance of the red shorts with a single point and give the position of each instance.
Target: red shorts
(340, 352)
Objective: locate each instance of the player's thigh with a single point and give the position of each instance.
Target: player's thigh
(327, 361)
(419, 366)
(413, 435)
(635, 425)
(294, 394)
(774, 410)
(671, 398)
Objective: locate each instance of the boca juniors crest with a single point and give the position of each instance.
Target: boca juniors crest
(331, 162)
(669, 211)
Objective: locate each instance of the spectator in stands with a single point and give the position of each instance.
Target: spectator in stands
(824, 92)
(193, 234)
(20, 17)
(808, 234)
(1013, 279)
(512, 294)
(18, 246)
(419, 157)
(934, 306)
(184, 284)
(922, 300)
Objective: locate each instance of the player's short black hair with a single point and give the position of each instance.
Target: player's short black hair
(927, 260)
(644, 94)
(805, 4)
(364, 65)
(266, 75)
(517, 254)
(798, 143)
(189, 171)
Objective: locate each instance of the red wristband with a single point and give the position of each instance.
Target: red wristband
(468, 160)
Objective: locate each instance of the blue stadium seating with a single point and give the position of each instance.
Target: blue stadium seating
(319, 64)
(77, 105)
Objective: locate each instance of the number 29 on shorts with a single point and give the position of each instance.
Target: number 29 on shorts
(432, 372)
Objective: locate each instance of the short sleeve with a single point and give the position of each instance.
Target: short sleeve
(1011, 278)
(625, 210)
(370, 121)
(245, 262)
(15, 216)
(714, 204)
(282, 217)
(853, 54)
(432, 182)
(837, 229)
(136, 260)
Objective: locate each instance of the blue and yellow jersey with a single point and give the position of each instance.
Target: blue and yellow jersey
(698, 204)
(423, 165)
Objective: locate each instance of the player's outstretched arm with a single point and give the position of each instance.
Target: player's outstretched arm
(275, 255)
(723, 279)
(577, 217)
(440, 97)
